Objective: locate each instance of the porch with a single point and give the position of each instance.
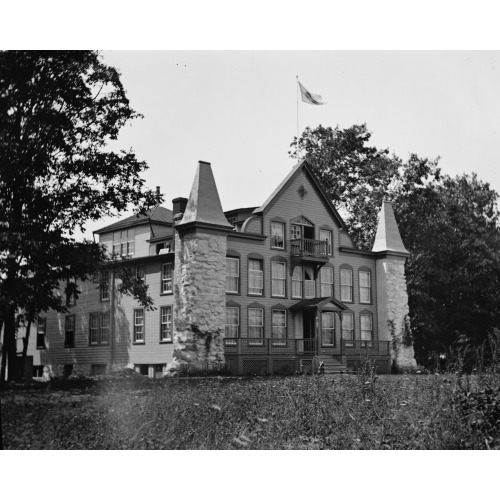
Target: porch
(250, 356)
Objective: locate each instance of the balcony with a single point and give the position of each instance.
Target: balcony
(307, 250)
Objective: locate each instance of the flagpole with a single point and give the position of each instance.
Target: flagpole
(297, 118)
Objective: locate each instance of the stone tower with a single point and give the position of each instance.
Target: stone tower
(200, 276)
(392, 296)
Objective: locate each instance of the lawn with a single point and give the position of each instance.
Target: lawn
(302, 412)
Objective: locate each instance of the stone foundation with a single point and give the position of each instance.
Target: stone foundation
(199, 308)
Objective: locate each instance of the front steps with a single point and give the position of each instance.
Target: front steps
(331, 364)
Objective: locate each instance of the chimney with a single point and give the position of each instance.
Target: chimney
(178, 208)
(157, 195)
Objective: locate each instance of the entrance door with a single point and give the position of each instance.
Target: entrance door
(309, 329)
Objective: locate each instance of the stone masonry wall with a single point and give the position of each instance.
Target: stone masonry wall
(397, 312)
(199, 308)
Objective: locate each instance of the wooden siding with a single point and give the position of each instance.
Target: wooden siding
(125, 352)
(313, 207)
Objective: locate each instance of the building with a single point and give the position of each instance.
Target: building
(270, 289)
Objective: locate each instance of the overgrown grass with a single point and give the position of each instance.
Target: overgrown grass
(307, 412)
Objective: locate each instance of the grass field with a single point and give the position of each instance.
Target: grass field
(304, 412)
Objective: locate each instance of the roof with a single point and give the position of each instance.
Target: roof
(157, 215)
(204, 204)
(388, 237)
(329, 303)
(302, 165)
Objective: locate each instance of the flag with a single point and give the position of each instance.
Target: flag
(308, 97)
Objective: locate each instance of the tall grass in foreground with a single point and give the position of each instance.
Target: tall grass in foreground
(305, 412)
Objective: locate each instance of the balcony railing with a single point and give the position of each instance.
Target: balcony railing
(255, 346)
(305, 247)
(370, 347)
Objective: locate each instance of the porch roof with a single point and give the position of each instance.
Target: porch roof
(323, 303)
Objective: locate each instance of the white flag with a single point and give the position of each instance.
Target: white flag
(308, 97)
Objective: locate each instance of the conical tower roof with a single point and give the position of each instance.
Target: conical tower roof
(388, 237)
(204, 205)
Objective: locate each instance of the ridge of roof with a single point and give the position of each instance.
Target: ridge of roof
(303, 164)
(157, 214)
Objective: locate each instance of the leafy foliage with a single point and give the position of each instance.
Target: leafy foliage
(59, 111)
(449, 225)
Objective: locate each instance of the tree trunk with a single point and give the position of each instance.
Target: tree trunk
(9, 353)
(26, 341)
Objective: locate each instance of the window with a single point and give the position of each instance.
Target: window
(309, 283)
(98, 328)
(232, 275)
(278, 278)
(328, 328)
(104, 328)
(140, 273)
(346, 285)
(326, 275)
(166, 324)
(40, 333)
(255, 277)
(277, 235)
(279, 327)
(255, 325)
(104, 285)
(71, 292)
(69, 331)
(139, 326)
(348, 327)
(295, 232)
(366, 327)
(365, 287)
(326, 236)
(297, 282)
(232, 322)
(166, 277)
(124, 242)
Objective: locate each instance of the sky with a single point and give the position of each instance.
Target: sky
(238, 110)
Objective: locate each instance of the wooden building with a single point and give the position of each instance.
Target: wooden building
(276, 288)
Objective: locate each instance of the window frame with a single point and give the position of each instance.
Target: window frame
(330, 239)
(349, 341)
(69, 334)
(332, 329)
(166, 283)
(140, 275)
(365, 342)
(261, 271)
(343, 285)
(142, 340)
(256, 340)
(283, 234)
(237, 325)
(279, 341)
(368, 288)
(235, 276)
(283, 279)
(170, 338)
(104, 288)
(41, 335)
(325, 283)
(295, 281)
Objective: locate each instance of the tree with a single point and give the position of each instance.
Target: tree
(450, 226)
(59, 112)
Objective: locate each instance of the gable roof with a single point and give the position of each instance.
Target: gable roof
(157, 215)
(302, 165)
(388, 237)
